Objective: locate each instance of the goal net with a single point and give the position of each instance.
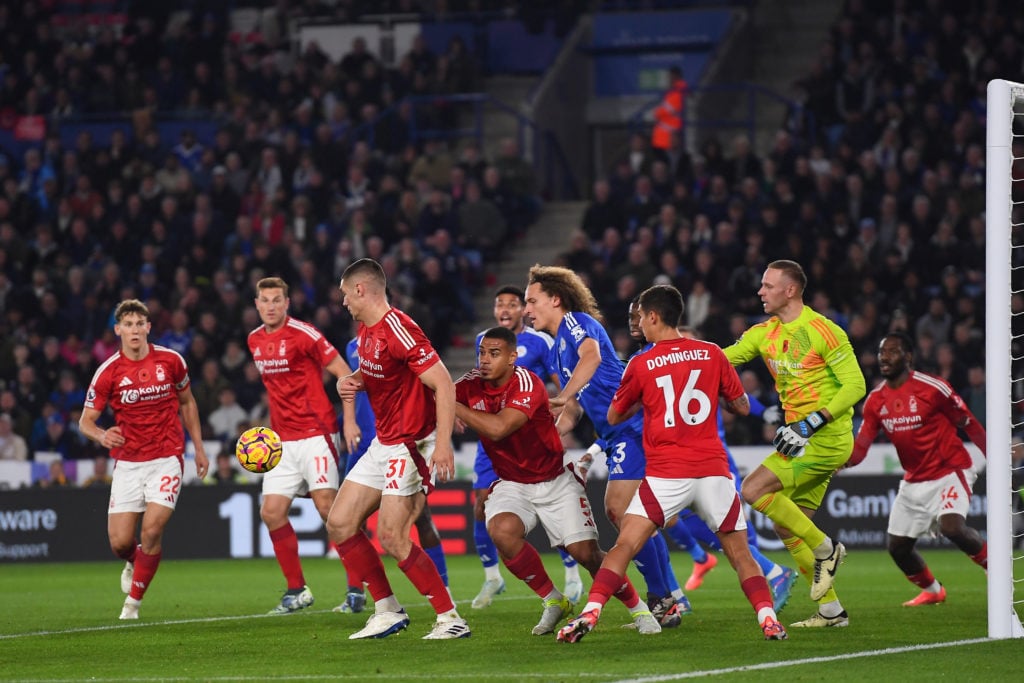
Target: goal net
(1004, 353)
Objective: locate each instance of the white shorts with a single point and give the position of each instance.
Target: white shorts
(306, 465)
(396, 470)
(714, 499)
(560, 505)
(136, 484)
(918, 505)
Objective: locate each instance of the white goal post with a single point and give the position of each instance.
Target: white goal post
(1005, 101)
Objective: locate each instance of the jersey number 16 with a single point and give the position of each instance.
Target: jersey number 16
(689, 395)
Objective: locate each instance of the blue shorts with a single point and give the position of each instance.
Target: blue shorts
(483, 471)
(625, 456)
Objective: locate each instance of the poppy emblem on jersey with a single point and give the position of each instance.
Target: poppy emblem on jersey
(897, 405)
(785, 346)
(144, 375)
(270, 348)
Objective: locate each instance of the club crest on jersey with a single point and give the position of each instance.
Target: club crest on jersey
(160, 374)
(913, 404)
(282, 349)
(561, 345)
(378, 347)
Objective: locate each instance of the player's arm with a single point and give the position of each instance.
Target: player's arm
(745, 348)
(770, 414)
(569, 417)
(438, 380)
(190, 418)
(349, 385)
(340, 369)
(627, 399)
(865, 436)
(108, 438)
(739, 405)
(842, 361)
(590, 360)
(961, 416)
(490, 425)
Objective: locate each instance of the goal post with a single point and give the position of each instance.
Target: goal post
(1004, 100)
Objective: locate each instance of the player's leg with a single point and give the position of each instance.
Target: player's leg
(358, 497)
(430, 541)
(753, 583)
(124, 543)
(355, 594)
(484, 477)
(689, 532)
(903, 552)
(147, 556)
(786, 489)
(610, 579)
(720, 507)
(573, 584)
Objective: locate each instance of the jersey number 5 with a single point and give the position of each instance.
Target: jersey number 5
(689, 395)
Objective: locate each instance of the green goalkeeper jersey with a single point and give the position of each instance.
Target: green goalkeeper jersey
(812, 362)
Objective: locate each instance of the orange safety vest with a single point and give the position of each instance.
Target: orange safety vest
(668, 116)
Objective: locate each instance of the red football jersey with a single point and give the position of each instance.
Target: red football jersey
(291, 362)
(392, 355)
(143, 396)
(678, 383)
(531, 454)
(920, 420)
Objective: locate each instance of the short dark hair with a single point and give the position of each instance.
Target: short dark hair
(502, 333)
(511, 289)
(906, 343)
(665, 300)
(366, 267)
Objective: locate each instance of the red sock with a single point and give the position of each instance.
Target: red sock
(351, 579)
(528, 567)
(423, 574)
(142, 575)
(286, 548)
(924, 579)
(608, 583)
(981, 559)
(361, 560)
(757, 592)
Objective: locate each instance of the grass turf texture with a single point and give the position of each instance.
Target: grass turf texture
(204, 620)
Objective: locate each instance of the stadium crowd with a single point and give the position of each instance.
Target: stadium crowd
(878, 190)
(302, 176)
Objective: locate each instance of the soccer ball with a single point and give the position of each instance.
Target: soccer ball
(258, 449)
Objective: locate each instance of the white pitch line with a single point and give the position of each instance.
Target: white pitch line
(797, 662)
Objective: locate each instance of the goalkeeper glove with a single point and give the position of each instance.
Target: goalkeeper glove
(791, 439)
(772, 415)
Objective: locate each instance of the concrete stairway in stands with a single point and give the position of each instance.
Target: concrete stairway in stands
(545, 239)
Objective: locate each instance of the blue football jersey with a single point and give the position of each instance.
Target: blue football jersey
(364, 413)
(596, 395)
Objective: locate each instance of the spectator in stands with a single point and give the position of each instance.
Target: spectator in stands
(226, 472)
(481, 225)
(670, 115)
(57, 477)
(12, 444)
(55, 438)
(100, 477)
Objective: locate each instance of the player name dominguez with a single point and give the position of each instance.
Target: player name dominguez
(663, 359)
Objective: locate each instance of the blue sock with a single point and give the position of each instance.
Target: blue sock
(649, 564)
(436, 555)
(484, 545)
(680, 533)
(567, 560)
(765, 564)
(666, 565)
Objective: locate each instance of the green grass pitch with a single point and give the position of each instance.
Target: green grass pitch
(205, 620)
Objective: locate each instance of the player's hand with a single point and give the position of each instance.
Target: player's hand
(353, 435)
(348, 386)
(558, 402)
(791, 439)
(460, 426)
(112, 438)
(772, 415)
(442, 462)
(202, 463)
